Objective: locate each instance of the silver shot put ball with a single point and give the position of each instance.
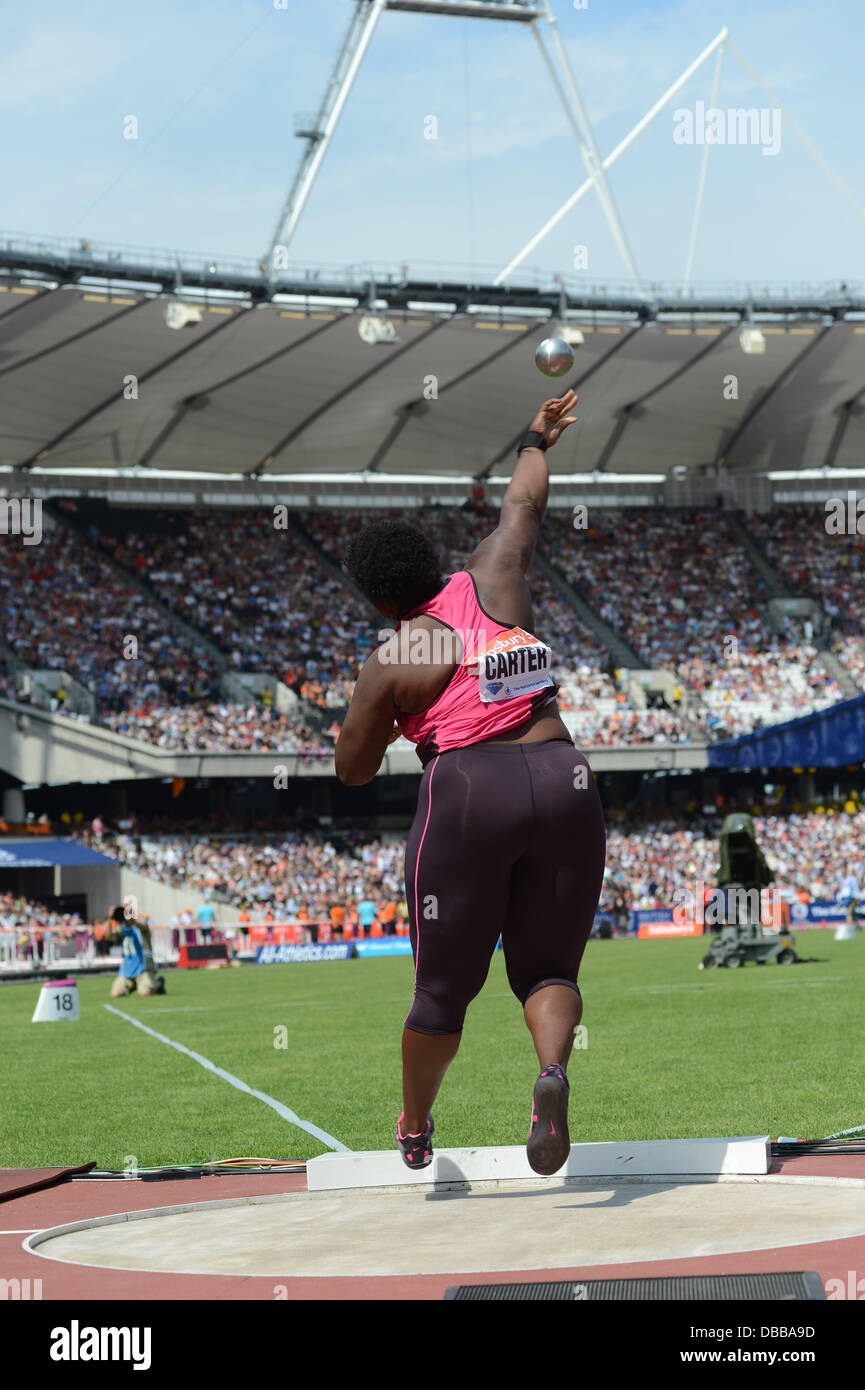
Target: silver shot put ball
(554, 357)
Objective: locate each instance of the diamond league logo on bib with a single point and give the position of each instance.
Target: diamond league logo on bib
(512, 664)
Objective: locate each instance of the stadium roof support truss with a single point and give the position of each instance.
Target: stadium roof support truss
(719, 43)
(414, 408)
(634, 408)
(850, 408)
(344, 390)
(734, 439)
(94, 411)
(319, 132)
(204, 396)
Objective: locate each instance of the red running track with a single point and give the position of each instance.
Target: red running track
(78, 1200)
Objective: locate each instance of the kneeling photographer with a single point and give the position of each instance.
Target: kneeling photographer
(137, 972)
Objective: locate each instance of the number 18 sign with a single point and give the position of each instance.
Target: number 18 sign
(58, 1000)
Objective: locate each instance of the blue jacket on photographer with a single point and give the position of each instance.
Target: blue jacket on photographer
(137, 971)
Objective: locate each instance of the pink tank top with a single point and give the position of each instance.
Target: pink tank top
(503, 678)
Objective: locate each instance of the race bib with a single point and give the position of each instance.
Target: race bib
(514, 663)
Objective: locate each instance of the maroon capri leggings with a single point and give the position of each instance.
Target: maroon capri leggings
(508, 841)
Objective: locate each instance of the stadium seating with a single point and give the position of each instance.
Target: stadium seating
(648, 859)
(225, 726)
(684, 593)
(261, 595)
(674, 584)
(582, 663)
(65, 608)
(819, 565)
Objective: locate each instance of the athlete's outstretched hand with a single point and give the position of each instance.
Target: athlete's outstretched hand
(552, 419)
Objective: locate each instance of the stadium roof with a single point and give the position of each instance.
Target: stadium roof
(273, 381)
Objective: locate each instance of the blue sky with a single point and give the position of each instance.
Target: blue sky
(504, 160)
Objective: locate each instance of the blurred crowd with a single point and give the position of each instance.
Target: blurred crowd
(830, 568)
(684, 594)
(18, 913)
(674, 583)
(819, 565)
(850, 651)
(811, 852)
(285, 877)
(600, 729)
(587, 690)
(456, 533)
(259, 592)
(219, 728)
(66, 609)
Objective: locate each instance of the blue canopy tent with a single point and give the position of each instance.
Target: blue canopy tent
(62, 874)
(47, 854)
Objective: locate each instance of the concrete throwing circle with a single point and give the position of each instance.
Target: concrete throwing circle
(509, 1226)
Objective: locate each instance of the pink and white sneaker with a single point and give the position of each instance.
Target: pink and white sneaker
(416, 1149)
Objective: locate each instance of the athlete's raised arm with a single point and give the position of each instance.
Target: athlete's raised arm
(501, 561)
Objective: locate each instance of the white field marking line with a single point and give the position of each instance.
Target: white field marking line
(235, 1081)
(31, 1230)
(842, 1134)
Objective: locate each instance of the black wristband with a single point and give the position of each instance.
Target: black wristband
(532, 440)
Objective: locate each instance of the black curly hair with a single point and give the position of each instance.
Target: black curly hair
(394, 564)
